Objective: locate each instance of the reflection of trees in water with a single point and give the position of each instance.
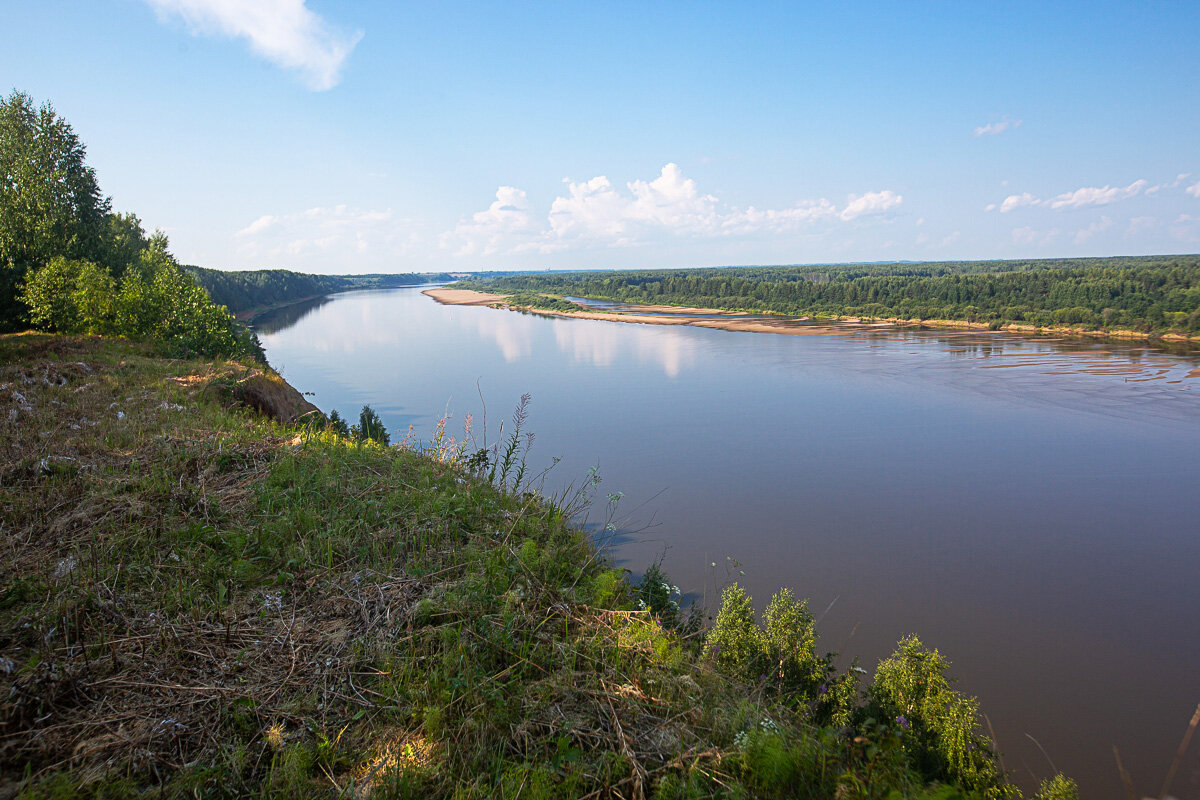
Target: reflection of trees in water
(283, 318)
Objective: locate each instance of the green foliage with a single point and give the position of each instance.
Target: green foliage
(260, 288)
(370, 427)
(338, 424)
(735, 642)
(155, 302)
(790, 640)
(1059, 787)
(536, 300)
(1146, 293)
(456, 639)
(655, 594)
(50, 201)
(943, 738)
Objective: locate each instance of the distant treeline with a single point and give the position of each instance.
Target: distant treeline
(1153, 294)
(261, 288)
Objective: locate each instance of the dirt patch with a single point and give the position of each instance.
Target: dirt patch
(272, 396)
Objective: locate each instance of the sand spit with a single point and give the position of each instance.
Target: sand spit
(794, 326)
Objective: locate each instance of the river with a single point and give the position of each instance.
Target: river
(1027, 506)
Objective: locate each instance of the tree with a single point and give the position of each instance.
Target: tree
(50, 202)
(370, 426)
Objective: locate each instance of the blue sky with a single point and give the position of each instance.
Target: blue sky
(383, 136)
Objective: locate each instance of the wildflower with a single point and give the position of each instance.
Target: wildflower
(823, 689)
(903, 720)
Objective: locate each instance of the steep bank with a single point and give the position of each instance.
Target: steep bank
(206, 601)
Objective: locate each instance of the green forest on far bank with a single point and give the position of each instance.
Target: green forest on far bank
(1148, 294)
(257, 289)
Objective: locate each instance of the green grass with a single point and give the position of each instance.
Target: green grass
(199, 602)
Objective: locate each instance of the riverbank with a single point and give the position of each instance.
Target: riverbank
(199, 599)
(812, 326)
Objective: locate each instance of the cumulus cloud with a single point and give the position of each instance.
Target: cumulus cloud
(321, 233)
(596, 212)
(870, 203)
(1095, 196)
(494, 229)
(1194, 189)
(284, 32)
(996, 128)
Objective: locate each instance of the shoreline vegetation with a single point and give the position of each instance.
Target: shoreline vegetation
(204, 600)
(816, 325)
(1129, 297)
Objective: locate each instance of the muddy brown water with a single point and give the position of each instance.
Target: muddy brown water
(1029, 507)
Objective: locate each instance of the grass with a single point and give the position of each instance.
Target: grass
(200, 602)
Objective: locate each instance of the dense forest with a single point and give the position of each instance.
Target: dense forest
(1153, 294)
(256, 289)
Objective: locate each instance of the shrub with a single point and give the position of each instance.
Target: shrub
(942, 736)
(734, 642)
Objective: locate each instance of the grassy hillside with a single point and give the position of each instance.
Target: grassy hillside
(202, 602)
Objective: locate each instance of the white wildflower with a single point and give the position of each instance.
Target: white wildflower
(65, 567)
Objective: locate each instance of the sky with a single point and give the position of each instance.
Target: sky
(351, 137)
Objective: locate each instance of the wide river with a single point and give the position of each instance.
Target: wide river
(1031, 508)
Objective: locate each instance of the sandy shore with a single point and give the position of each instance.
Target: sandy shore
(467, 297)
(785, 325)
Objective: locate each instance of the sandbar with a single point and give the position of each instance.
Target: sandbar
(738, 321)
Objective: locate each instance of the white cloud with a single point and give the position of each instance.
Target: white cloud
(320, 235)
(1186, 228)
(1173, 184)
(1139, 224)
(1081, 198)
(1028, 235)
(1194, 189)
(1016, 201)
(595, 213)
(506, 225)
(284, 32)
(1103, 224)
(996, 128)
(1095, 196)
(870, 203)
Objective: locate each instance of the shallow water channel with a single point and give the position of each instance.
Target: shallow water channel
(1027, 506)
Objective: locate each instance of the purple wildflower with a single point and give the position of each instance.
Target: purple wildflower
(903, 720)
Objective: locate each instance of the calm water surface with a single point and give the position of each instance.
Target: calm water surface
(1028, 507)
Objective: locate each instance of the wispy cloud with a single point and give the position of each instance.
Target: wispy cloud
(324, 234)
(284, 32)
(1028, 235)
(871, 203)
(1095, 196)
(1099, 226)
(596, 213)
(1194, 189)
(1015, 201)
(1079, 198)
(996, 128)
